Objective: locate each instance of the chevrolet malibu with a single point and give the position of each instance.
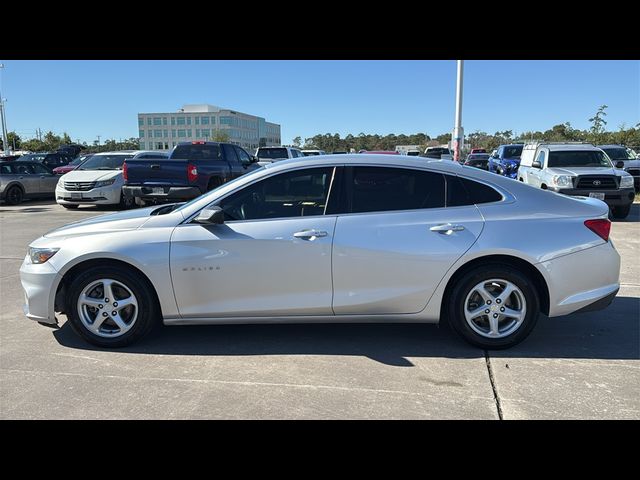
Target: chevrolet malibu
(344, 238)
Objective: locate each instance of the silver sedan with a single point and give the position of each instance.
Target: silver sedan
(345, 238)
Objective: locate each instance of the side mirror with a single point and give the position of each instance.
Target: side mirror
(536, 164)
(619, 164)
(210, 215)
(254, 159)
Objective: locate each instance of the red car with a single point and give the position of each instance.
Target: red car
(477, 150)
(72, 165)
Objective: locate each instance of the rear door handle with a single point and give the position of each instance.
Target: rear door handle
(155, 167)
(447, 228)
(310, 234)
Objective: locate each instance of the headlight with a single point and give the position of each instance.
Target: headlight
(106, 183)
(626, 181)
(563, 180)
(41, 255)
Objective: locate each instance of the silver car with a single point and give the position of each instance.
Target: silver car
(20, 180)
(344, 238)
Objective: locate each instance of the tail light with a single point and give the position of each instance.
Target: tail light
(600, 227)
(125, 174)
(192, 173)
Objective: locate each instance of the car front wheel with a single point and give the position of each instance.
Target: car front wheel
(494, 306)
(621, 212)
(111, 306)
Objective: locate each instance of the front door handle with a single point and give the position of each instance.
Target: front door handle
(310, 234)
(447, 228)
(155, 167)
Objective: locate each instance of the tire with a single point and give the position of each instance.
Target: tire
(14, 195)
(137, 320)
(126, 202)
(71, 207)
(213, 183)
(620, 213)
(510, 331)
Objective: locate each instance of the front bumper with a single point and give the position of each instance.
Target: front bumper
(38, 282)
(581, 279)
(613, 198)
(97, 196)
(168, 193)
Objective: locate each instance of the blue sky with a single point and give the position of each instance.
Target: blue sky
(90, 98)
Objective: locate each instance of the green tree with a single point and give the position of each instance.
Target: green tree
(220, 136)
(598, 124)
(297, 142)
(14, 141)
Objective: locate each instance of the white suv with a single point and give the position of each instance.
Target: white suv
(98, 181)
(272, 154)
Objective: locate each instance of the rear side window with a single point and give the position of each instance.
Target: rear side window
(461, 191)
(5, 169)
(380, 189)
(196, 152)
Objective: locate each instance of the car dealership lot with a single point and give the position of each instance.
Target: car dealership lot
(579, 366)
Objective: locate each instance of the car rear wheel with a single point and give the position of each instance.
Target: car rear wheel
(621, 212)
(14, 195)
(494, 306)
(70, 207)
(111, 306)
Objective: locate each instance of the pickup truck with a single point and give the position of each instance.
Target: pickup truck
(192, 169)
(578, 169)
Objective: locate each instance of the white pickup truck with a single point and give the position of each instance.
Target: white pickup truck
(577, 169)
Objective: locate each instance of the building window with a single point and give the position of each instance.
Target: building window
(157, 133)
(197, 132)
(140, 121)
(157, 121)
(213, 120)
(173, 120)
(205, 133)
(197, 120)
(188, 120)
(142, 145)
(173, 133)
(189, 133)
(182, 133)
(180, 120)
(204, 121)
(225, 120)
(164, 120)
(148, 120)
(166, 133)
(141, 133)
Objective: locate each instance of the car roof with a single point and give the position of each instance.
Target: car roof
(354, 159)
(118, 152)
(570, 147)
(611, 146)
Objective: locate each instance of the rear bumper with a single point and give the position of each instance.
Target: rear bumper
(582, 279)
(169, 193)
(613, 198)
(604, 302)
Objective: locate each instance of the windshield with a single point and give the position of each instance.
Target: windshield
(510, 152)
(579, 158)
(78, 160)
(105, 162)
(620, 153)
(32, 158)
(272, 153)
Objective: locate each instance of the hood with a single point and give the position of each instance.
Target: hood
(575, 171)
(91, 175)
(632, 163)
(112, 222)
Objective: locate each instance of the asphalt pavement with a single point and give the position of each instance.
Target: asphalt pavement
(582, 366)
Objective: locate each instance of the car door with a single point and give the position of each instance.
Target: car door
(47, 180)
(234, 162)
(25, 174)
(397, 240)
(534, 175)
(245, 159)
(271, 257)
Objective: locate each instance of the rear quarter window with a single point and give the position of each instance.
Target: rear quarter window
(462, 191)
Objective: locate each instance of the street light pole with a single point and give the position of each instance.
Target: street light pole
(458, 131)
(5, 142)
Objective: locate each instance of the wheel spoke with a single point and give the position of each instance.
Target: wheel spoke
(91, 302)
(108, 291)
(125, 303)
(120, 322)
(471, 314)
(99, 320)
(493, 326)
(510, 313)
(485, 294)
(506, 293)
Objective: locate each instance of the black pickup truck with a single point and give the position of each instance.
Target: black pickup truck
(192, 169)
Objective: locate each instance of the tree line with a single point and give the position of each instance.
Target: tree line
(596, 134)
(50, 142)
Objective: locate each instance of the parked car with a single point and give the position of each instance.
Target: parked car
(478, 160)
(439, 153)
(505, 160)
(9, 158)
(380, 152)
(313, 152)
(98, 181)
(71, 165)
(192, 169)
(72, 149)
(267, 155)
(578, 170)
(20, 180)
(631, 162)
(332, 239)
(50, 160)
(633, 168)
(477, 150)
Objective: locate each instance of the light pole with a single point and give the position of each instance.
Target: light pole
(458, 131)
(5, 142)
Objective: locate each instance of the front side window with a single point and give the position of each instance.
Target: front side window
(380, 189)
(541, 157)
(511, 152)
(300, 193)
(40, 170)
(243, 156)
